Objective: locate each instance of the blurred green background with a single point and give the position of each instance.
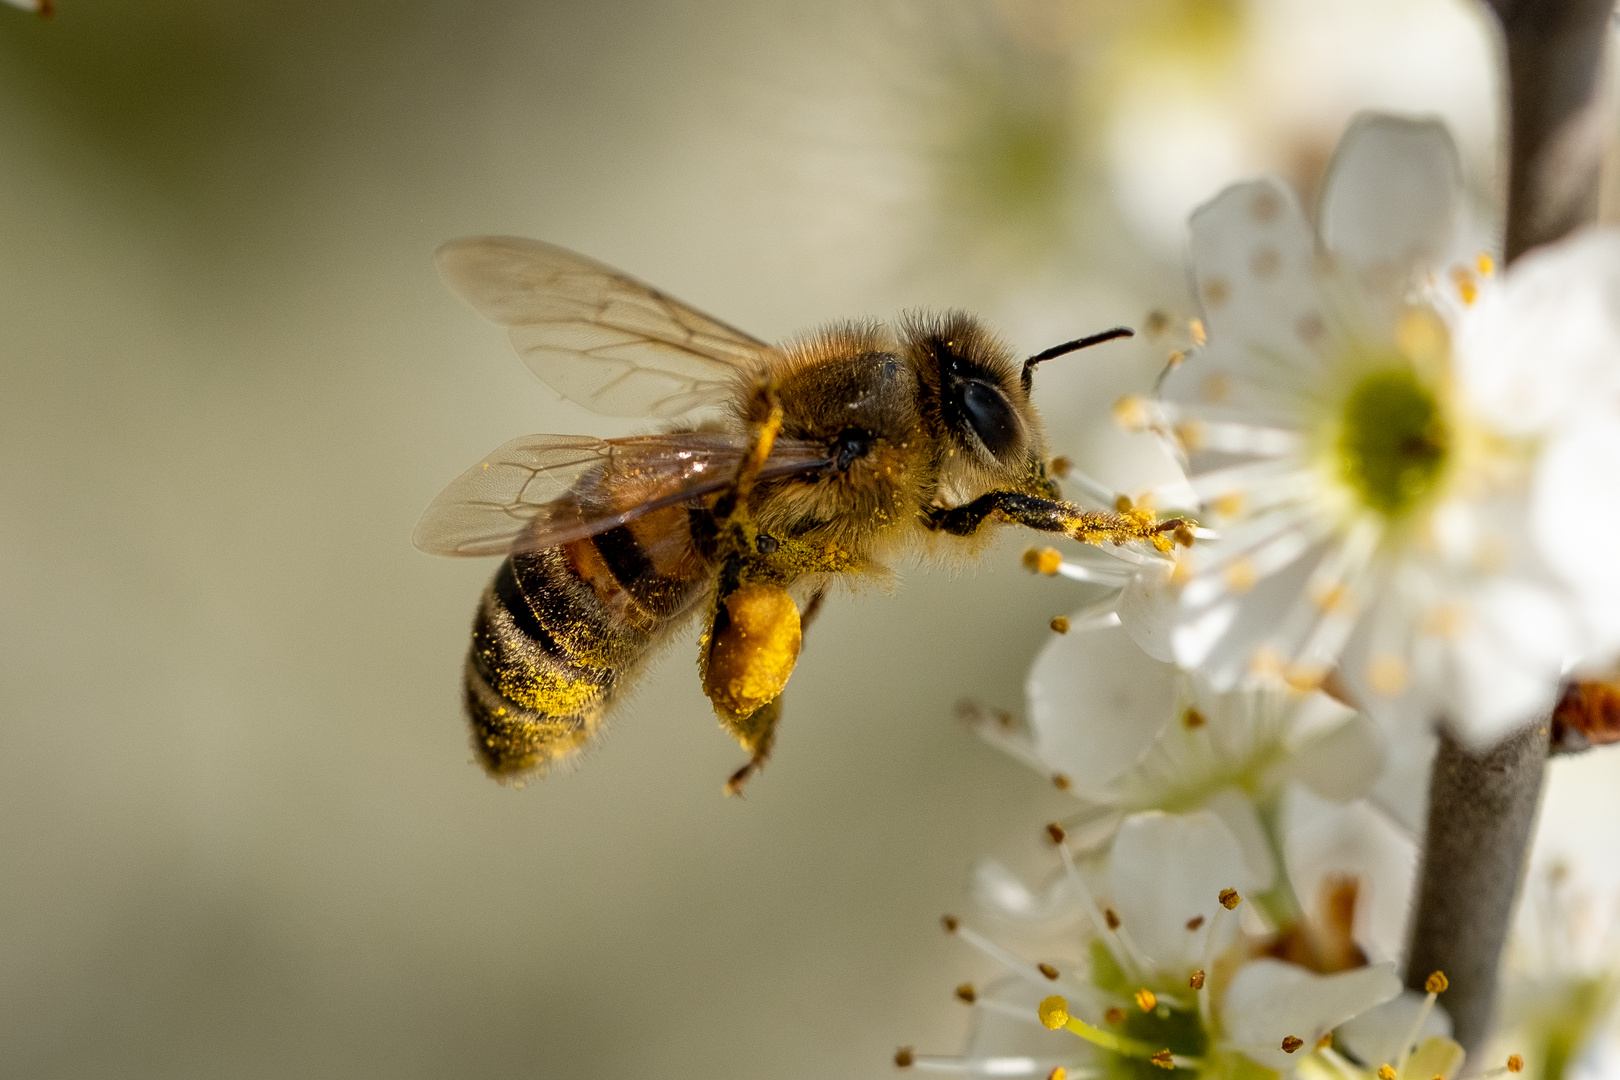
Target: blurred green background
(239, 830)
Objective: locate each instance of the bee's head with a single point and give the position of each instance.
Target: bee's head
(984, 412)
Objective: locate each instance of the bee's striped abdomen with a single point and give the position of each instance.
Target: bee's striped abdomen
(558, 630)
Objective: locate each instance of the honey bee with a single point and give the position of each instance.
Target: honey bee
(783, 469)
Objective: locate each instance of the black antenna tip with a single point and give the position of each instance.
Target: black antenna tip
(1072, 346)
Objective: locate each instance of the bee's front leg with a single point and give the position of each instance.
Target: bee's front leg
(1051, 515)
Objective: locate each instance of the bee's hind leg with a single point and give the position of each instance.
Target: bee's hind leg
(757, 732)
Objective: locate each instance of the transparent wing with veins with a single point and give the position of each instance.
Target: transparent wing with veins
(540, 491)
(596, 336)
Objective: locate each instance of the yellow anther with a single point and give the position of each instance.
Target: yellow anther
(1060, 625)
(1192, 719)
(1325, 1041)
(1123, 504)
(1190, 434)
(1145, 1000)
(1060, 467)
(1485, 264)
(903, 1058)
(1436, 983)
(1230, 899)
(950, 923)
(1386, 1073)
(1515, 1063)
(966, 993)
(1058, 1073)
(1467, 288)
(1048, 970)
(1291, 1043)
(1055, 833)
(1240, 575)
(1195, 327)
(1054, 1012)
(1175, 359)
(1111, 917)
(1062, 782)
(1195, 922)
(1047, 561)
(1163, 1059)
(1196, 981)
(1132, 412)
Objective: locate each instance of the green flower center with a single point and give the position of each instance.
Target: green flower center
(1393, 441)
(1178, 1030)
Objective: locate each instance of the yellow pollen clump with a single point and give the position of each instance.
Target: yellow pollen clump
(1229, 505)
(1115, 1016)
(1230, 899)
(1195, 327)
(1047, 560)
(1163, 1059)
(1240, 575)
(1291, 1043)
(1048, 970)
(1325, 1041)
(1060, 467)
(1145, 1000)
(1515, 1063)
(1466, 286)
(1054, 1012)
(1485, 264)
(1196, 980)
(1386, 1073)
(1436, 983)
(1060, 625)
(1058, 1073)
(1387, 675)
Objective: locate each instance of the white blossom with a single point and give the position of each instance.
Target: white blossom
(1343, 427)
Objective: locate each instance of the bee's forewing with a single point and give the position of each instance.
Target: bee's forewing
(540, 491)
(596, 336)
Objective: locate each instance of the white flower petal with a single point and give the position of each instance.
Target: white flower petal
(1096, 701)
(1236, 810)
(1375, 1036)
(999, 1032)
(1268, 1001)
(996, 889)
(1575, 496)
(1389, 203)
(1342, 763)
(1437, 1056)
(1166, 869)
(1147, 610)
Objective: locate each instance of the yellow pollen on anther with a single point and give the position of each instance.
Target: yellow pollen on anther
(1387, 674)
(1111, 917)
(1291, 1043)
(1048, 970)
(1325, 1041)
(1060, 467)
(1145, 1000)
(1240, 575)
(1061, 781)
(1436, 983)
(1230, 899)
(1485, 264)
(1058, 1073)
(1163, 1059)
(1060, 625)
(1192, 719)
(1054, 1012)
(1515, 1063)
(1055, 833)
(1175, 359)
(1047, 560)
(1386, 1073)
(1196, 979)
(1467, 288)
(903, 1057)
(1195, 922)
(1195, 327)
(966, 993)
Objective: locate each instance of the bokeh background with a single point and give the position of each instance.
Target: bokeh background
(239, 831)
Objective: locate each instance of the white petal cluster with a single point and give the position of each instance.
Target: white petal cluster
(1386, 509)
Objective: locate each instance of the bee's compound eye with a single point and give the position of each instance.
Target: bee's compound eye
(989, 415)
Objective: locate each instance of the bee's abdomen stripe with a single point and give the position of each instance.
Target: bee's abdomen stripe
(517, 606)
(624, 556)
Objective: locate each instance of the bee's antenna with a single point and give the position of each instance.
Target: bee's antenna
(1072, 346)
